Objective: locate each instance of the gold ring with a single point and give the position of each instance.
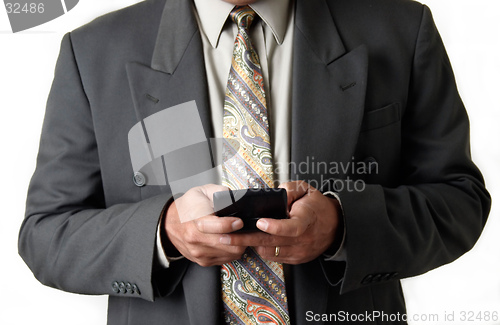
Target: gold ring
(276, 251)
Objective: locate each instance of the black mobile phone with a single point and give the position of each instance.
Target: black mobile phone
(251, 204)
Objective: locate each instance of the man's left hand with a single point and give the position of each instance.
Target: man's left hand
(314, 226)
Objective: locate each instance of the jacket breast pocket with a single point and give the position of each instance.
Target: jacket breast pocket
(380, 141)
(381, 117)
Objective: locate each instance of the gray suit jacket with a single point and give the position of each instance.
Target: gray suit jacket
(372, 82)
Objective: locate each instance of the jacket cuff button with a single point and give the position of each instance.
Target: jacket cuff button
(367, 280)
(116, 287)
(394, 275)
(122, 287)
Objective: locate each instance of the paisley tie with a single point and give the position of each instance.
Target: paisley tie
(253, 289)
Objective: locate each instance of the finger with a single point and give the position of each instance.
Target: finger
(210, 189)
(217, 251)
(210, 252)
(302, 209)
(286, 254)
(213, 261)
(281, 254)
(293, 227)
(193, 205)
(218, 225)
(274, 253)
(295, 190)
(256, 239)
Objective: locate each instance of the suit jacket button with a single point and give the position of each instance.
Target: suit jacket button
(135, 288)
(367, 279)
(116, 287)
(371, 165)
(377, 278)
(122, 287)
(128, 287)
(139, 179)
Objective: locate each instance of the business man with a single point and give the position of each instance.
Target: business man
(361, 86)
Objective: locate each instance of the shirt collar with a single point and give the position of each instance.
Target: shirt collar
(213, 15)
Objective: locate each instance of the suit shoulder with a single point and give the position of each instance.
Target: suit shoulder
(125, 22)
(126, 34)
(378, 4)
(383, 21)
(403, 11)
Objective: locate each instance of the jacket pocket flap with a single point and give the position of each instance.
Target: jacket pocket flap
(381, 117)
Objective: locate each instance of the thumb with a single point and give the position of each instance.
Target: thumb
(295, 190)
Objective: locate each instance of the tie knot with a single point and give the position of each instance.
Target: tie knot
(243, 16)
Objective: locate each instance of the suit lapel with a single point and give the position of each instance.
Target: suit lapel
(177, 75)
(328, 91)
(329, 86)
(177, 72)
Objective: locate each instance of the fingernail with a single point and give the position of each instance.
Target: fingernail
(236, 225)
(262, 224)
(225, 240)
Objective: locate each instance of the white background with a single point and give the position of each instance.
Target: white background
(471, 32)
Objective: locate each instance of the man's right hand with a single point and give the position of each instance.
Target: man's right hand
(194, 230)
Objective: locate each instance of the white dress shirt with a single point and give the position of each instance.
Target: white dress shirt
(272, 38)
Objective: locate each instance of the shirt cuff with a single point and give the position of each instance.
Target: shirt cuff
(161, 257)
(341, 254)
